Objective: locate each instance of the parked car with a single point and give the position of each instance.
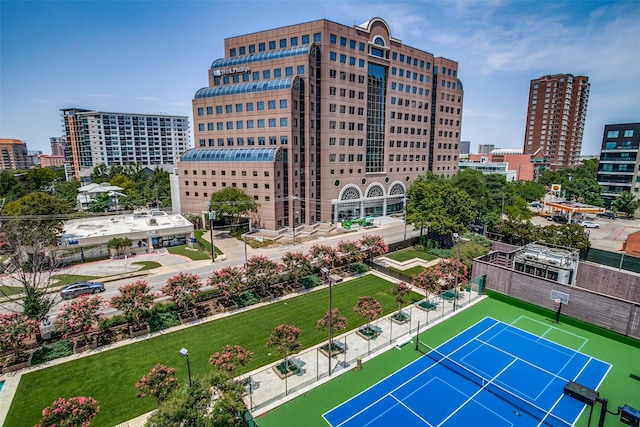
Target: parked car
(560, 219)
(589, 224)
(80, 288)
(536, 205)
(607, 214)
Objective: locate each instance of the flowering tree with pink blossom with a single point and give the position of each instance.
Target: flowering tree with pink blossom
(81, 315)
(338, 323)
(72, 412)
(349, 252)
(449, 269)
(297, 264)
(373, 246)
(263, 273)
(15, 328)
(230, 358)
(134, 300)
(285, 339)
(183, 289)
(229, 281)
(428, 280)
(326, 256)
(159, 383)
(369, 309)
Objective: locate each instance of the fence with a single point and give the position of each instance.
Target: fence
(266, 387)
(614, 259)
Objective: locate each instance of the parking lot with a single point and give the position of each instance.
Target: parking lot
(609, 236)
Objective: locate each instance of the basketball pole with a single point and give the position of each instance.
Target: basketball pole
(559, 303)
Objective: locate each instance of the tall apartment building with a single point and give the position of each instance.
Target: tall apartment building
(485, 148)
(58, 144)
(619, 167)
(555, 118)
(465, 147)
(94, 137)
(320, 122)
(13, 154)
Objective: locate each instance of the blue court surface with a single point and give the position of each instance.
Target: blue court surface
(491, 374)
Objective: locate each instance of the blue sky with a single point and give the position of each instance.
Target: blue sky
(152, 56)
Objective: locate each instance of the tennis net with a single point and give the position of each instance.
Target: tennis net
(524, 407)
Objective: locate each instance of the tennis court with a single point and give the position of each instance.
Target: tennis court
(491, 374)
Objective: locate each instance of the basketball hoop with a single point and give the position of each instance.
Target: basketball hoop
(557, 302)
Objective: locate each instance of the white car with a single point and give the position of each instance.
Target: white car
(589, 224)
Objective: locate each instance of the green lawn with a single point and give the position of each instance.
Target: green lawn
(10, 290)
(407, 254)
(65, 279)
(413, 271)
(147, 265)
(110, 376)
(617, 387)
(195, 254)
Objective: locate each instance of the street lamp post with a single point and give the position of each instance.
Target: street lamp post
(212, 217)
(405, 216)
(244, 238)
(455, 289)
(330, 330)
(185, 353)
(295, 214)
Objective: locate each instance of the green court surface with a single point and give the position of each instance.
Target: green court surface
(618, 387)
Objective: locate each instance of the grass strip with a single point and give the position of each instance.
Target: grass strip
(110, 376)
(408, 254)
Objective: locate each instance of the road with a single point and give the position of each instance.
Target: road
(391, 230)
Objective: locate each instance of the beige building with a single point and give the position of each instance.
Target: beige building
(555, 118)
(320, 122)
(13, 154)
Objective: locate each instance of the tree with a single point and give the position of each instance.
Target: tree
(100, 203)
(297, 264)
(80, 315)
(211, 401)
(349, 252)
(30, 240)
(262, 273)
(452, 271)
(338, 323)
(159, 383)
(373, 246)
(15, 329)
(229, 281)
(518, 209)
(471, 250)
(232, 202)
(10, 187)
(285, 339)
(231, 358)
(627, 203)
(40, 178)
(157, 189)
(134, 300)
(440, 207)
(530, 191)
(400, 290)
(429, 280)
(100, 174)
(119, 244)
(67, 191)
(73, 412)
(183, 289)
(326, 256)
(369, 309)
(584, 190)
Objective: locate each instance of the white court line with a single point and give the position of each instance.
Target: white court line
(404, 383)
(476, 393)
(584, 339)
(406, 366)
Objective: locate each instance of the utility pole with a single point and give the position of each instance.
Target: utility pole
(212, 217)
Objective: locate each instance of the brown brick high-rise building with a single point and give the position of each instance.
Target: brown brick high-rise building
(320, 122)
(555, 118)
